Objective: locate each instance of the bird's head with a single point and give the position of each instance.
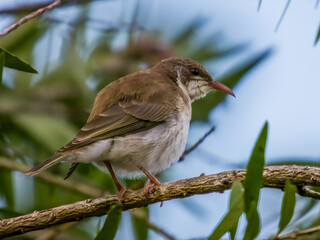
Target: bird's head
(191, 77)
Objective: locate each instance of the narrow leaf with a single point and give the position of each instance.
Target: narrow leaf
(46, 130)
(282, 15)
(254, 175)
(235, 192)
(252, 184)
(259, 5)
(1, 65)
(230, 220)
(6, 187)
(110, 227)
(11, 61)
(253, 225)
(288, 204)
(8, 213)
(318, 36)
(140, 226)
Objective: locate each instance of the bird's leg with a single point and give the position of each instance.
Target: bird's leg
(153, 180)
(121, 189)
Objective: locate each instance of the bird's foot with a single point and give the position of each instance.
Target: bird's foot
(120, 193)
(153, 181)
(151, 184)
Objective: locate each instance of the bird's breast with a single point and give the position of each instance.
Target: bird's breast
(155, 149)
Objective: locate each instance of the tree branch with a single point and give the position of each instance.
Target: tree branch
(189, 150)
(299, 233)
(305, 191)
(28, 7)
(274, 177)
(29, 17)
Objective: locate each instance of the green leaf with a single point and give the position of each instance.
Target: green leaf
(110, 227)
(253, 222)
(230, 220)
(7, 213)
(252, 184)
(6, 187)
(254, 175)
(140, 226)
(11, 61)
(236, 190)
(2, 60)
(48, 131)
(288, 204)
(318, 36)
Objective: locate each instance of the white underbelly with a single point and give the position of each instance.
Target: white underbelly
(155, 149)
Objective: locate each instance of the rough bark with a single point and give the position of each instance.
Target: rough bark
(274, 177)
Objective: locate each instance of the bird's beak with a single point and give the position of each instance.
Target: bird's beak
(221, 87)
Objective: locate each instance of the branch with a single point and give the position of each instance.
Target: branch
(305, 191)
(274, 177)
(189, 150)
(29, 17)
(28, 7)
(299, 233)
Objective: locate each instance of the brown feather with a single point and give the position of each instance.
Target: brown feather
(120, 110)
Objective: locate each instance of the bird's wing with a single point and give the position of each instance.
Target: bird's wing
(121, 119)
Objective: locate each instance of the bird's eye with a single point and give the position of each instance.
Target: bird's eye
(195, 71)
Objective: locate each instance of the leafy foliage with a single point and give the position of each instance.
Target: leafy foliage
(140, 226)
(110, 227)
(288, 204)
(230, 220)
(1, 65)
(11, 61)
(318, 36)
(253, 183)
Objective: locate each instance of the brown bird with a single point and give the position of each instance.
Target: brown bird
(139, 123)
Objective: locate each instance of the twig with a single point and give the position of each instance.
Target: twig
(274, 177)
(28, 7)
(296, 233)
(29, 17)
(24, 8)
(187, 151)
(307, 192)
(48, 177)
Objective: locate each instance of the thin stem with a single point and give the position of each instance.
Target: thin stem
(189, 150)
(29, 17)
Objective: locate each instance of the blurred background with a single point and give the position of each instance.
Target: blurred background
(265, 50)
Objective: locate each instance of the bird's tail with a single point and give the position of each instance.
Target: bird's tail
(46, 164)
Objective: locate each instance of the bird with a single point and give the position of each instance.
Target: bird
(139, 123)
